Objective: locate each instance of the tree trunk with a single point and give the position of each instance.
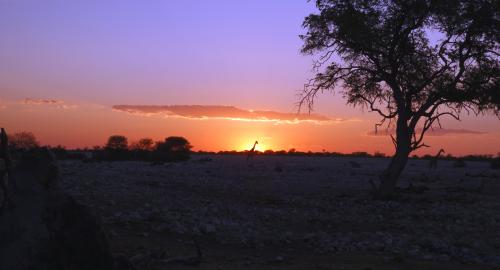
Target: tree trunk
(391, 175)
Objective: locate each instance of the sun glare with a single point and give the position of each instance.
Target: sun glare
(248, 145)
(260, 147)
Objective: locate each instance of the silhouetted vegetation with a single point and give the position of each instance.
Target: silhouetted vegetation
(116, 148)
(380, 55)
(141, 150)
(179, 149)
(144, 144)
(173, 149)
(376, 154)
(117, 143)
(23, 141)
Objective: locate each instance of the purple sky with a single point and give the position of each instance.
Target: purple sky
(91, 55)
(243, 53)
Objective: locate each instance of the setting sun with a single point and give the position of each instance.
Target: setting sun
(260, 147)
(247, 145)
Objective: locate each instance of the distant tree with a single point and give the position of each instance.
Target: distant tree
(359, 154)
(381, 54)
(175, 144)
(280, 152)
(117, 143)
(115, 149)
(173, 149)
(23, 140)
(141, 150)
(145, 144)
(269, 152)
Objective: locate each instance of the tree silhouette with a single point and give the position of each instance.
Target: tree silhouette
(145, 144)
(173, 149)
(117, 143)
(380, 54)
(23, 140)
(142, 149)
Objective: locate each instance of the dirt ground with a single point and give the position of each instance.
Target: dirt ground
(293, 213)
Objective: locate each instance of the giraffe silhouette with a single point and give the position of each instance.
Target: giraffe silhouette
(251, 152)
(434, 159)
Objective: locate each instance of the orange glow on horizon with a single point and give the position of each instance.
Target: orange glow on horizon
(261, 147)
(87, 125)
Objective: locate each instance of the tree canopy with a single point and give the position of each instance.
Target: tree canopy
(412, 62)
(173, 149)
(23, 140)
(144, 144)
(117, 143)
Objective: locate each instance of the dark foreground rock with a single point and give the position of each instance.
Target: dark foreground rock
(76, 238)
(45, 228)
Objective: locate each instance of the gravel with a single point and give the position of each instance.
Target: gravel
(321, 203)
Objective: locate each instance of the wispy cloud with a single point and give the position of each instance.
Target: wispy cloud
(55, 103)
(430, 132)
(224, 112)
(31, 101)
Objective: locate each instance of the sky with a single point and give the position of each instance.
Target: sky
(220, 73)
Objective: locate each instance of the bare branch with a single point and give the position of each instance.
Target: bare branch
(428, 124)
(371, 103)
(394, 142)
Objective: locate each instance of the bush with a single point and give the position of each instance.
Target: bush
(117, 143)
(173, 149)
(144, 144)
(379, 154)
(116, 148)
(23, 141)
(360, 154)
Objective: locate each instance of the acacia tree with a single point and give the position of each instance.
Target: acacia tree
(173, 149)
(412, 62)
(144, 144)
(117, 143)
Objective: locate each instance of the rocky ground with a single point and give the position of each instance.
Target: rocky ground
(293, 213)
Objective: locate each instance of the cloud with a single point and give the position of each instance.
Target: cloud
(55, 103)
(430, 132)
(30, 101)
(451, 131)
(223, 112)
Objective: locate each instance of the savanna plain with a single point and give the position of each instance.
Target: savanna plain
(292, 212)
